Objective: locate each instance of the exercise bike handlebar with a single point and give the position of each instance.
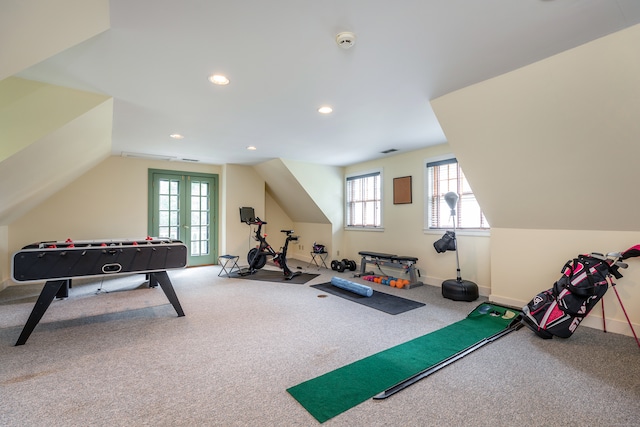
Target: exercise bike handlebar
(256, 221)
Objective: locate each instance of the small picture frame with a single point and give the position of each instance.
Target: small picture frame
(402, 190)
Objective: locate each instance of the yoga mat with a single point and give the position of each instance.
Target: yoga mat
(337, 391)
(275, 276)
(390, 304)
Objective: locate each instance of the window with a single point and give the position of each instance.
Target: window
(444, 176)
(364, 200)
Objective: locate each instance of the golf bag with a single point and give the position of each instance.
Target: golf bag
(558, 311)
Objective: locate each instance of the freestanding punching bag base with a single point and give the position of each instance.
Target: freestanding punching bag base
(460, 290)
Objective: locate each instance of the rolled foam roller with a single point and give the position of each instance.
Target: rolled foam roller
(356, 288)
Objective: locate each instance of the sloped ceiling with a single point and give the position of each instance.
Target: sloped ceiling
(287, 191)
(283, 62)
(47, 165)
(31, 110)
(49, 135)
(555, 145)
(34, 30)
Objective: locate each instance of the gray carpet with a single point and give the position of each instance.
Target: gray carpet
(124, 358)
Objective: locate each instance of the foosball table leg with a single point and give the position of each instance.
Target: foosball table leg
(162, 278)
(49, 292)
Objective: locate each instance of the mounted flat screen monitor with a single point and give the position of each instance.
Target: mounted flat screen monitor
(247, 215)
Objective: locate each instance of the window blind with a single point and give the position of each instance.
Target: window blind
(445, 176)
(363, 200)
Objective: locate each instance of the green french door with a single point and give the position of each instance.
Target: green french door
(183, 206)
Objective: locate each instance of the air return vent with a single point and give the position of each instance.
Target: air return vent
(147, 156)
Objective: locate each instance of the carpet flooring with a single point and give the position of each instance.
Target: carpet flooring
(116, 354)
(335, 392)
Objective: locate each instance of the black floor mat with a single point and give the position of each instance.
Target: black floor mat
(274, 276)
(379, 300)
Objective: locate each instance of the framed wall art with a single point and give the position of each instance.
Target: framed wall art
(402, 190)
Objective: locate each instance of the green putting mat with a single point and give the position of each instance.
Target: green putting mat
(335, 392)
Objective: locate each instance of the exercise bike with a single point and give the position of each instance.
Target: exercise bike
(257, 257)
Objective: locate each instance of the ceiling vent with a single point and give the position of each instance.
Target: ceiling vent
(390, 150)
(147, 156)
(346, 39)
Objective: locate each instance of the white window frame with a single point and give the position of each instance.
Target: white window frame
(350, 176)
(427, 205)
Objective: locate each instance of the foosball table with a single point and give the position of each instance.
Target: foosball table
(57, 263)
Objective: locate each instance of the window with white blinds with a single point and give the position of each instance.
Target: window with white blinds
(364, 200)
(444, 176)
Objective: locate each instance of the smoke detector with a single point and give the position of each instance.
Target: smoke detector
(346, 39)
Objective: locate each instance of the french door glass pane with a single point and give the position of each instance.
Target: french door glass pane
(199, 218)
(195, 248)
(169, 208)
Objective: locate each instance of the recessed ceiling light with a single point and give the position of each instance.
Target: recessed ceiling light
(325, 110)
(218, 79)
(176, 136)
(251, 147)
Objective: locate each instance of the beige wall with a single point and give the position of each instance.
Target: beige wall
(277, 219)
(525, 262)
(325, 185)
(242, 187)
(308, 233)
(554, 145)
(29, 111)
(5, 271)
(551, 151)
(108, 202)
(562, 125)
(404, 232)
(49, 136)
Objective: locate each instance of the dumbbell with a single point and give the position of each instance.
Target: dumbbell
(350, 264)
(343, 265)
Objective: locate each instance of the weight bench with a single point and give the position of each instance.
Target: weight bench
(394, 261)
